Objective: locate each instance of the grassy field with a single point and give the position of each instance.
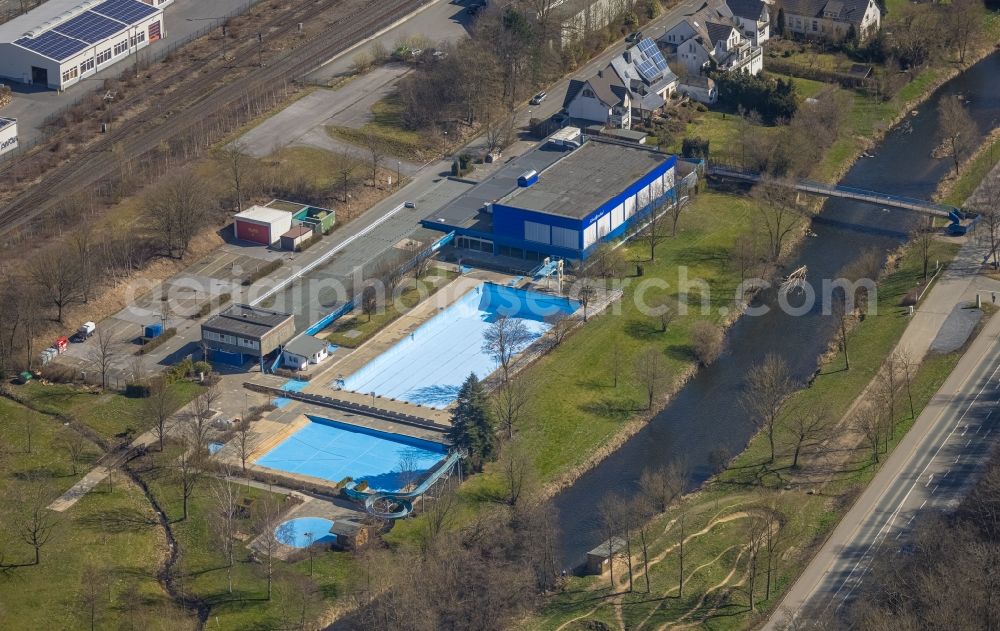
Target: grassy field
(717, 519)
(108, 413)
(972, 174)
(354, 329)
(387, 133)
(111, 530)
(202, 572)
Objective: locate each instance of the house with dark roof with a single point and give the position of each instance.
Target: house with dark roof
(753, 19)
(830, 19)
(636, 82)
(240, 331)
(712, 38)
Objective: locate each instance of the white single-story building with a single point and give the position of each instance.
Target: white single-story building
(61, 42)
(8, 135)
(304, 350)
(262, 224)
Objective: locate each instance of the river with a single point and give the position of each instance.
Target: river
(705, 415)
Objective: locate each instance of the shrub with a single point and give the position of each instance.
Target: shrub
(262, 271)
(308, 243)
(772, 99)
(706, 341)
(156, 342)
(701, 107)
(695, 148)
(202, 367)
(137, 390)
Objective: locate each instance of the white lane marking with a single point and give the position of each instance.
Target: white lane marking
(930, 479)
(987, 432)
(882, 531)
(934, 490)
(968, 443)
(922, 503)
(965, 428)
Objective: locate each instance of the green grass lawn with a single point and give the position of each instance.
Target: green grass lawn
(356, 328)
(202, 565)
(388, 133)
(114, 531)
(109, 413)
(972, 174)
(715, 562)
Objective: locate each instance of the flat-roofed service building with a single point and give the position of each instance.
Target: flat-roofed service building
(560, 199)
(61, 42)
(241, 331)
(8, 135)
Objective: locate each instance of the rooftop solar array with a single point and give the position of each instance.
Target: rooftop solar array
(650, 62)
(53, 45)
(90, 27)
(127, 11)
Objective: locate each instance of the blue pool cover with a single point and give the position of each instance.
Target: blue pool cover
(333, 451)
(429, 366)
(304, 531)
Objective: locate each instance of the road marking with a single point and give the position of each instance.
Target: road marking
(968, 443)
(935, 489)
(957, 457)
(965, 429)
(880, 535)
(930, 479)
(987, 432)
(922, 505)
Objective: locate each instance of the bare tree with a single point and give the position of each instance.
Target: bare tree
(888, 383)
(509, 401)
(806, 429)
(756, 529)
(90, 595)
(58, 281)
(376, 155)
(681, 542)
(504, 338)
(640, 509)
(202, 410)
(103, 353)
(662, 308)
(561, 325)
(655, 230)
(158, 407)
(964, 25)
(868, 422)
(74, 444)
(663, 484)
(923, 240)
(673, 211)
(650, 372)
(517, 474)
(266, 528)
(745, 256)
(612, 513)
(369, 300)
(408, 470)
(777, 213)
(189, 474)
(238, 164)
(225, 510)
(706, 341)
(344, 166)
(177, 209)
(767, 387)
(585, 294)
(37, 523)
(956, 130)
(839, 309)
(245, 443)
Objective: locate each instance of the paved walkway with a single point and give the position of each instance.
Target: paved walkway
(78, 490)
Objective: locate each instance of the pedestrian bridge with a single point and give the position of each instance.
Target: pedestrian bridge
(846, 192)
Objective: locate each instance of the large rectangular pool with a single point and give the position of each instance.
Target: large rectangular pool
(332, 451)
(429, 366)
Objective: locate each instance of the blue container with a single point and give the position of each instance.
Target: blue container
(527, 178)
(153, 330)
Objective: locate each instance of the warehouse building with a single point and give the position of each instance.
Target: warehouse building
(559, 200)
(241, 332)
(8, 135)
(61, 42)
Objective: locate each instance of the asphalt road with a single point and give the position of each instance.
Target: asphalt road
(933, 467)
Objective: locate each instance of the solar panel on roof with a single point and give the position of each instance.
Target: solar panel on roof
(90, 27)
(52, 45)
(127, 11)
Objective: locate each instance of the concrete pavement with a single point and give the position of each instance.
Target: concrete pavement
(931, 469)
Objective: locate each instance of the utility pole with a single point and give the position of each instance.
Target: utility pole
(260, 49)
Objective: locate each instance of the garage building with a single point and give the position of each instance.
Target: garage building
(260, 224)
(61, 42)
(560, 201)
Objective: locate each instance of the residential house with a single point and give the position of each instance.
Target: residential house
(753, 19)
(700, 88)
(636, 82)
(577, 18)
(831, 19)
(711, 39)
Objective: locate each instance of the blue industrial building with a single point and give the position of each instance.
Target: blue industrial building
(560, 200)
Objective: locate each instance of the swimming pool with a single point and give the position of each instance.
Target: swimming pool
(303, 532)
(326, 449)
(429, 366)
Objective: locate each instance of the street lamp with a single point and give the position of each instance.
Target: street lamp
(399, 164)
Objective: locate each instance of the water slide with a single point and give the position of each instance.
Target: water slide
(403, 501)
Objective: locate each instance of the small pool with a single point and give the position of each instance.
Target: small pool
(302, 532)
(429, 366)
(332, 451)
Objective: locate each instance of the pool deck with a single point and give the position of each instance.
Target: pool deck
(389, 336)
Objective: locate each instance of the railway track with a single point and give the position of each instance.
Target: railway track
(180, 113)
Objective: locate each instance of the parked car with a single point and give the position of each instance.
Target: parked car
(538, 98)
(634, 37)
(84, 332)
(409, 205)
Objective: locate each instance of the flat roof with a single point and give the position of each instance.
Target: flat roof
(7, 122)
(59, 29)
(263, 214)
(298, 231)
(246, 320)
(586, 178)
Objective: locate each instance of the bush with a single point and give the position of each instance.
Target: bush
(308, 243)
(706, 341)
(697, 148)
(701, 107)
(156, 342)
(262, 271)
(772, 99)
(202, 367)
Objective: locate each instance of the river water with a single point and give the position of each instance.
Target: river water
(706, 415)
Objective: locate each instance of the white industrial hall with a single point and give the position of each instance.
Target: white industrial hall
(61, 42)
